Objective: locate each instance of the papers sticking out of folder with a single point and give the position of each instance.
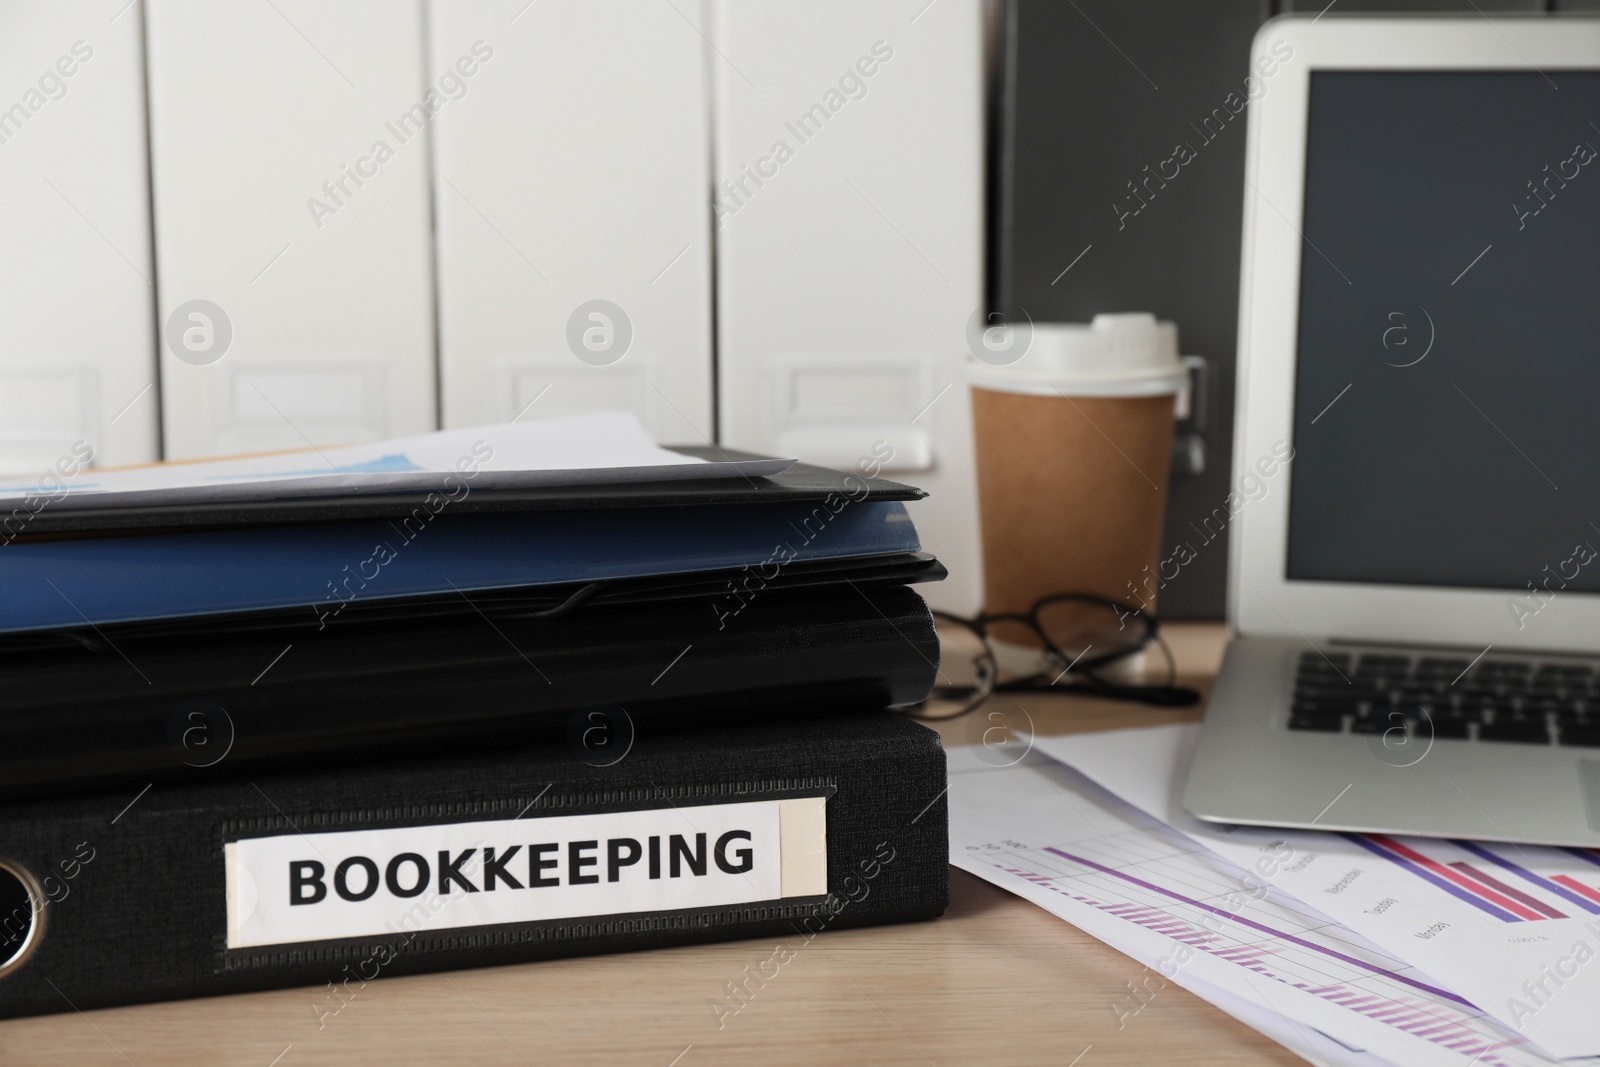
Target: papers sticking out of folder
(604, 448)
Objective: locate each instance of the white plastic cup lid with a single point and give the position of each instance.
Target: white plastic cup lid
(1129, 354)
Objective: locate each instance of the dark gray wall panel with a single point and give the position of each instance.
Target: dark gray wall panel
(1101, 90)
(1367, 7)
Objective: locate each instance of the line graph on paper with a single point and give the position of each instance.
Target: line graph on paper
(1104, 855)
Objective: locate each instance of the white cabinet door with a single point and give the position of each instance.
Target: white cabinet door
(290, 164)
(77, 359)
(850, 244)
(573, 227)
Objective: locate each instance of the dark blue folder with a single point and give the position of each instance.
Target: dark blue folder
(47, 584)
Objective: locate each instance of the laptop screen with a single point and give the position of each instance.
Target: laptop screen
(1447, 390)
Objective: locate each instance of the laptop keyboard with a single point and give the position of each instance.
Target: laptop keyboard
(1519, 701)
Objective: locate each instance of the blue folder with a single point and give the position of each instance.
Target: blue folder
(320, 566)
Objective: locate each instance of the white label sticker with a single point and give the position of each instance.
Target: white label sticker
(418, 879)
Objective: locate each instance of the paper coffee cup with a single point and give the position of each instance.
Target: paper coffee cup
(1073, 428)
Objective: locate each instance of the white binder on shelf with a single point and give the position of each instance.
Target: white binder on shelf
(77, 360)
(290, 165)
(849, 214)
(574, 246)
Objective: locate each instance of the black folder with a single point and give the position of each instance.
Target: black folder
(190, 698)
(340, 877)
(802, 482)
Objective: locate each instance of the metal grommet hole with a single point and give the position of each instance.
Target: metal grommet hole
(21, 915)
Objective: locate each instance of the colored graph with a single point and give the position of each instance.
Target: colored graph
(1180, 894)
(1454, 873)
(1128, 867)
(1509, 927)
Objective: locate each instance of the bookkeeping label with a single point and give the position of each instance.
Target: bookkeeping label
(419, 879)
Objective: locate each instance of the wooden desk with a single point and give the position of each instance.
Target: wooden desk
(996, 981)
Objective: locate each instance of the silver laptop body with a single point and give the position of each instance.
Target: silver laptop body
(1414, 583)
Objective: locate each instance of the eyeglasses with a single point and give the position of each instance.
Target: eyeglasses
(1064, 643)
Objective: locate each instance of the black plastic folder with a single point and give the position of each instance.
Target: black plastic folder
(184, 699)
(780, 830)
(800, 482)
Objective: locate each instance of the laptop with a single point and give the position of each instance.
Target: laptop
(1414, 589)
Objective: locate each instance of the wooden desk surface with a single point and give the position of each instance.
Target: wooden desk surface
(995, 981)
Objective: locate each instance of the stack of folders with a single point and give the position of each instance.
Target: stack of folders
(478, 697)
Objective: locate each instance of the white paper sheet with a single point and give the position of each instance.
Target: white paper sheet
(1515, 959)
(1049, 834)
(574, 450)
(1307, 1042)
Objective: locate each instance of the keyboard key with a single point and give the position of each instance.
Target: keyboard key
(1566, 673)
(1586, 734)
(1503, 669)
(1380, 721)
(1319, 706)
(1436, 722)
(1372, 724)
(1460, 713)
(1325, 722)
(1330, 683)
(1451, 729)
(1312, 685)
(1341, 695)
(1510, 715)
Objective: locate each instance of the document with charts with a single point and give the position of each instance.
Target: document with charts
(1047, 833)
(1513, 928)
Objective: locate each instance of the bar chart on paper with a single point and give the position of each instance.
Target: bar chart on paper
(1513, 928)
(1467, 878)
(1588, 855)
(1046, 833)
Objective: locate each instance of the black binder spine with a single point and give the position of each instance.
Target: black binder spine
(295, 879)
